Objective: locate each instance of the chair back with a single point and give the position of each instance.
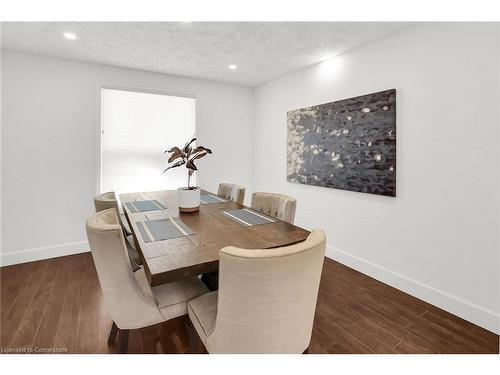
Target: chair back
(126, 302)
(280, 206)
(232, 192)
(267, 298)
(105, 201)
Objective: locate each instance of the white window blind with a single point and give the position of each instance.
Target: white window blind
(136, 128)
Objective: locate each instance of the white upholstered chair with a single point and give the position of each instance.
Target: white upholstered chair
(266, 299)
(280, 206)
(232, 192)
(130, 301)
(106, 201)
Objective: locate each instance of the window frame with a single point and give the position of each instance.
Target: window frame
(99, 130)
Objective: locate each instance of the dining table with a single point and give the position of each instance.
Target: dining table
(201, 234)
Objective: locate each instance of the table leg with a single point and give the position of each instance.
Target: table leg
(211, 280)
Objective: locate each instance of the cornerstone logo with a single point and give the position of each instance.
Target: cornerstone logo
(30, 350)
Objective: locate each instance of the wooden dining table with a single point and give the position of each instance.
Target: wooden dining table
(198, 253)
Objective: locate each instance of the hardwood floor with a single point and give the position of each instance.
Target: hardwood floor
(56, 305)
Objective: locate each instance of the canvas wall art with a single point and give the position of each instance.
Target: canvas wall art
(348, 144)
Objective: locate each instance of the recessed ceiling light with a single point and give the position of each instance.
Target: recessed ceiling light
(233, 66)
(70, 36)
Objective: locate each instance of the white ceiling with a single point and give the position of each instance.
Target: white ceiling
(262, 51)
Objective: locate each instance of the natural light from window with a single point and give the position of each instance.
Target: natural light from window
(136, 128)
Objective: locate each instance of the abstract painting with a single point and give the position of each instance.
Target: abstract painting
(348, 144)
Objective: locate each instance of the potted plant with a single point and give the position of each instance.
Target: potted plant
(188, 197)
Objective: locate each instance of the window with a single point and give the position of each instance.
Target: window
(136, 128)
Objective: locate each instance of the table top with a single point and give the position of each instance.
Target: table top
(183, 257)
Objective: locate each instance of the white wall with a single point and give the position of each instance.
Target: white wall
(50, 129)
(439, 238)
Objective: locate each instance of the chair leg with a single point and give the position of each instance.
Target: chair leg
(112, 333)
(211, 280)
(195, 344)
(123, 341)
(306, 351)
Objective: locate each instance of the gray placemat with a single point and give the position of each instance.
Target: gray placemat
(208, 198)
(248, 217)
(144, 206)
(163, 229)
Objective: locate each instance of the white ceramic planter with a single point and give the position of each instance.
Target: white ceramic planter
(188, 200)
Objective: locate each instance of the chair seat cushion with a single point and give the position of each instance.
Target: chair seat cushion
(177, 292)
(202, 311)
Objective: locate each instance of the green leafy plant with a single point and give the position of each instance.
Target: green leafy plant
(186, 156)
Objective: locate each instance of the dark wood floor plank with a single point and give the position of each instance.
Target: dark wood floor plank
(462, 328)
(9, 295)
(389, 307)
(47, 329)
(12, 276)
(28, 329)
(174, 336)
(34, 308)
(376, 338)
(355, 314)
(491, 340)
(13, 315)
(87, 339)
(390, 304)
(372, 301)
(336, 340)
(445, 339)
(315, 346)
(397, 296)
(405, 348)
(150, 339)
(352, 302)
(67, 330)
(134, 343)
(367, 301)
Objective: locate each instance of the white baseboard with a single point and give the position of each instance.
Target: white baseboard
(467, 310)
(30, 255)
